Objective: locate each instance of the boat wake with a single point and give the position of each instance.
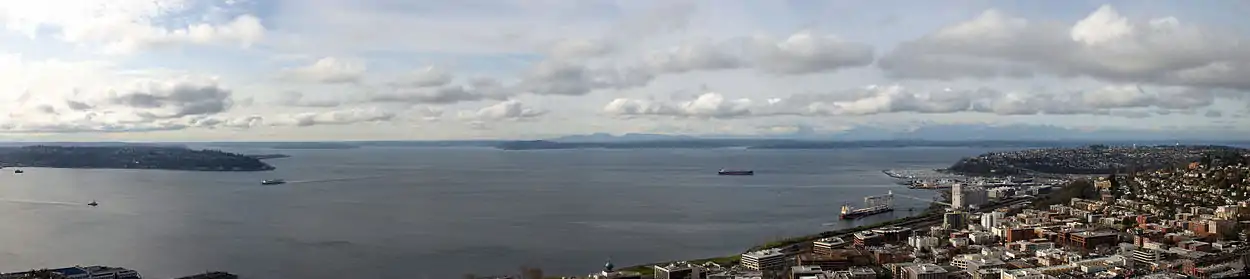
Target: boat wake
(334, 179)
(42, 202)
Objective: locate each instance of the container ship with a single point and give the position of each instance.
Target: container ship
(873, 205)
(735, 172)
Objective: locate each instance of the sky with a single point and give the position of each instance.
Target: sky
(189, 70)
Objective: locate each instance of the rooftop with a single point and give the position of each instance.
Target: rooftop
(926, 269)
(766, 253)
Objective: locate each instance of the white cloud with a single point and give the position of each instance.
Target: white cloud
(874, 99)
(707, 105)
(297, 99)
(807, 52)
(443, 95)
(334, 117)
(428, 77)
(1104, 45)
(124, 26)
(506, 110)
(694, 57)
(328, 70)
(578, 49)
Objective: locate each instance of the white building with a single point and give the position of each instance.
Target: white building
(991, 219)
(976, 261)
(982, 238)
(768, 259)
(957, 196)
(924, 241)
(925, 271)
(679, 270)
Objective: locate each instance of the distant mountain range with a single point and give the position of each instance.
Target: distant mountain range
(956, 132)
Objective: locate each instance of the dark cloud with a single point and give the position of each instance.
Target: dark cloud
(175, 99)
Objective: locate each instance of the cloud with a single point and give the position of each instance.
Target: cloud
(1104, 45)
(551, 77)
(444, 95)
(428, 77)
(297, 99)
(215, 122)
(506, 110)
(327, 70)
(578, 49)
(707, 105)
(874, 99)
(334, 117)
(158, 99)
(1214, 114)
(692, 57)
(126, 26)
(807, 52)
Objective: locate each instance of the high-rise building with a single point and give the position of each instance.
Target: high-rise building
(991, 219)
(957, 196)
(955, 220)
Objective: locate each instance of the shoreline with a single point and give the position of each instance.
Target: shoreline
(931, 213)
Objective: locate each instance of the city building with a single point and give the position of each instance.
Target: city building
(1027, 273)
(79, 272)
(956, 220)
(858, 272)
(1148, 256)
(1089, 240)
(825, 246)
(679, 270)
(736, 274)
(836, 260)
(976, 262)
(924, 271)
(768, 259)
(924, 241)
(991, 219)
(988, 273)
(868, 238)
(958, 201)
(806, 271)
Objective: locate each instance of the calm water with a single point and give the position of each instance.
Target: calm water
(440, 213)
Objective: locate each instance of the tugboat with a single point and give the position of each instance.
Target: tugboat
(93, 203)
(735, 172)
(272, 182)
(18, 171)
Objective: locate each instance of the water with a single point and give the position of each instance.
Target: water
(441, 213)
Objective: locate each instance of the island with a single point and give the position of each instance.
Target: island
(1093, 159)
(129, 157)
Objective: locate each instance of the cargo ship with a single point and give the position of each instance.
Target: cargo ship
(272, 182)
(873, 205)
(735, 172)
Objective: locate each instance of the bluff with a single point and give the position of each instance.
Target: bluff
(128, 157)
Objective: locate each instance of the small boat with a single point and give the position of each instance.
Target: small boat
(735, 172)
(93, 203)
(272, 182)
(18, 171)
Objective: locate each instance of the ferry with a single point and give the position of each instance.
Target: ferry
(272, 182)
(735, 172)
